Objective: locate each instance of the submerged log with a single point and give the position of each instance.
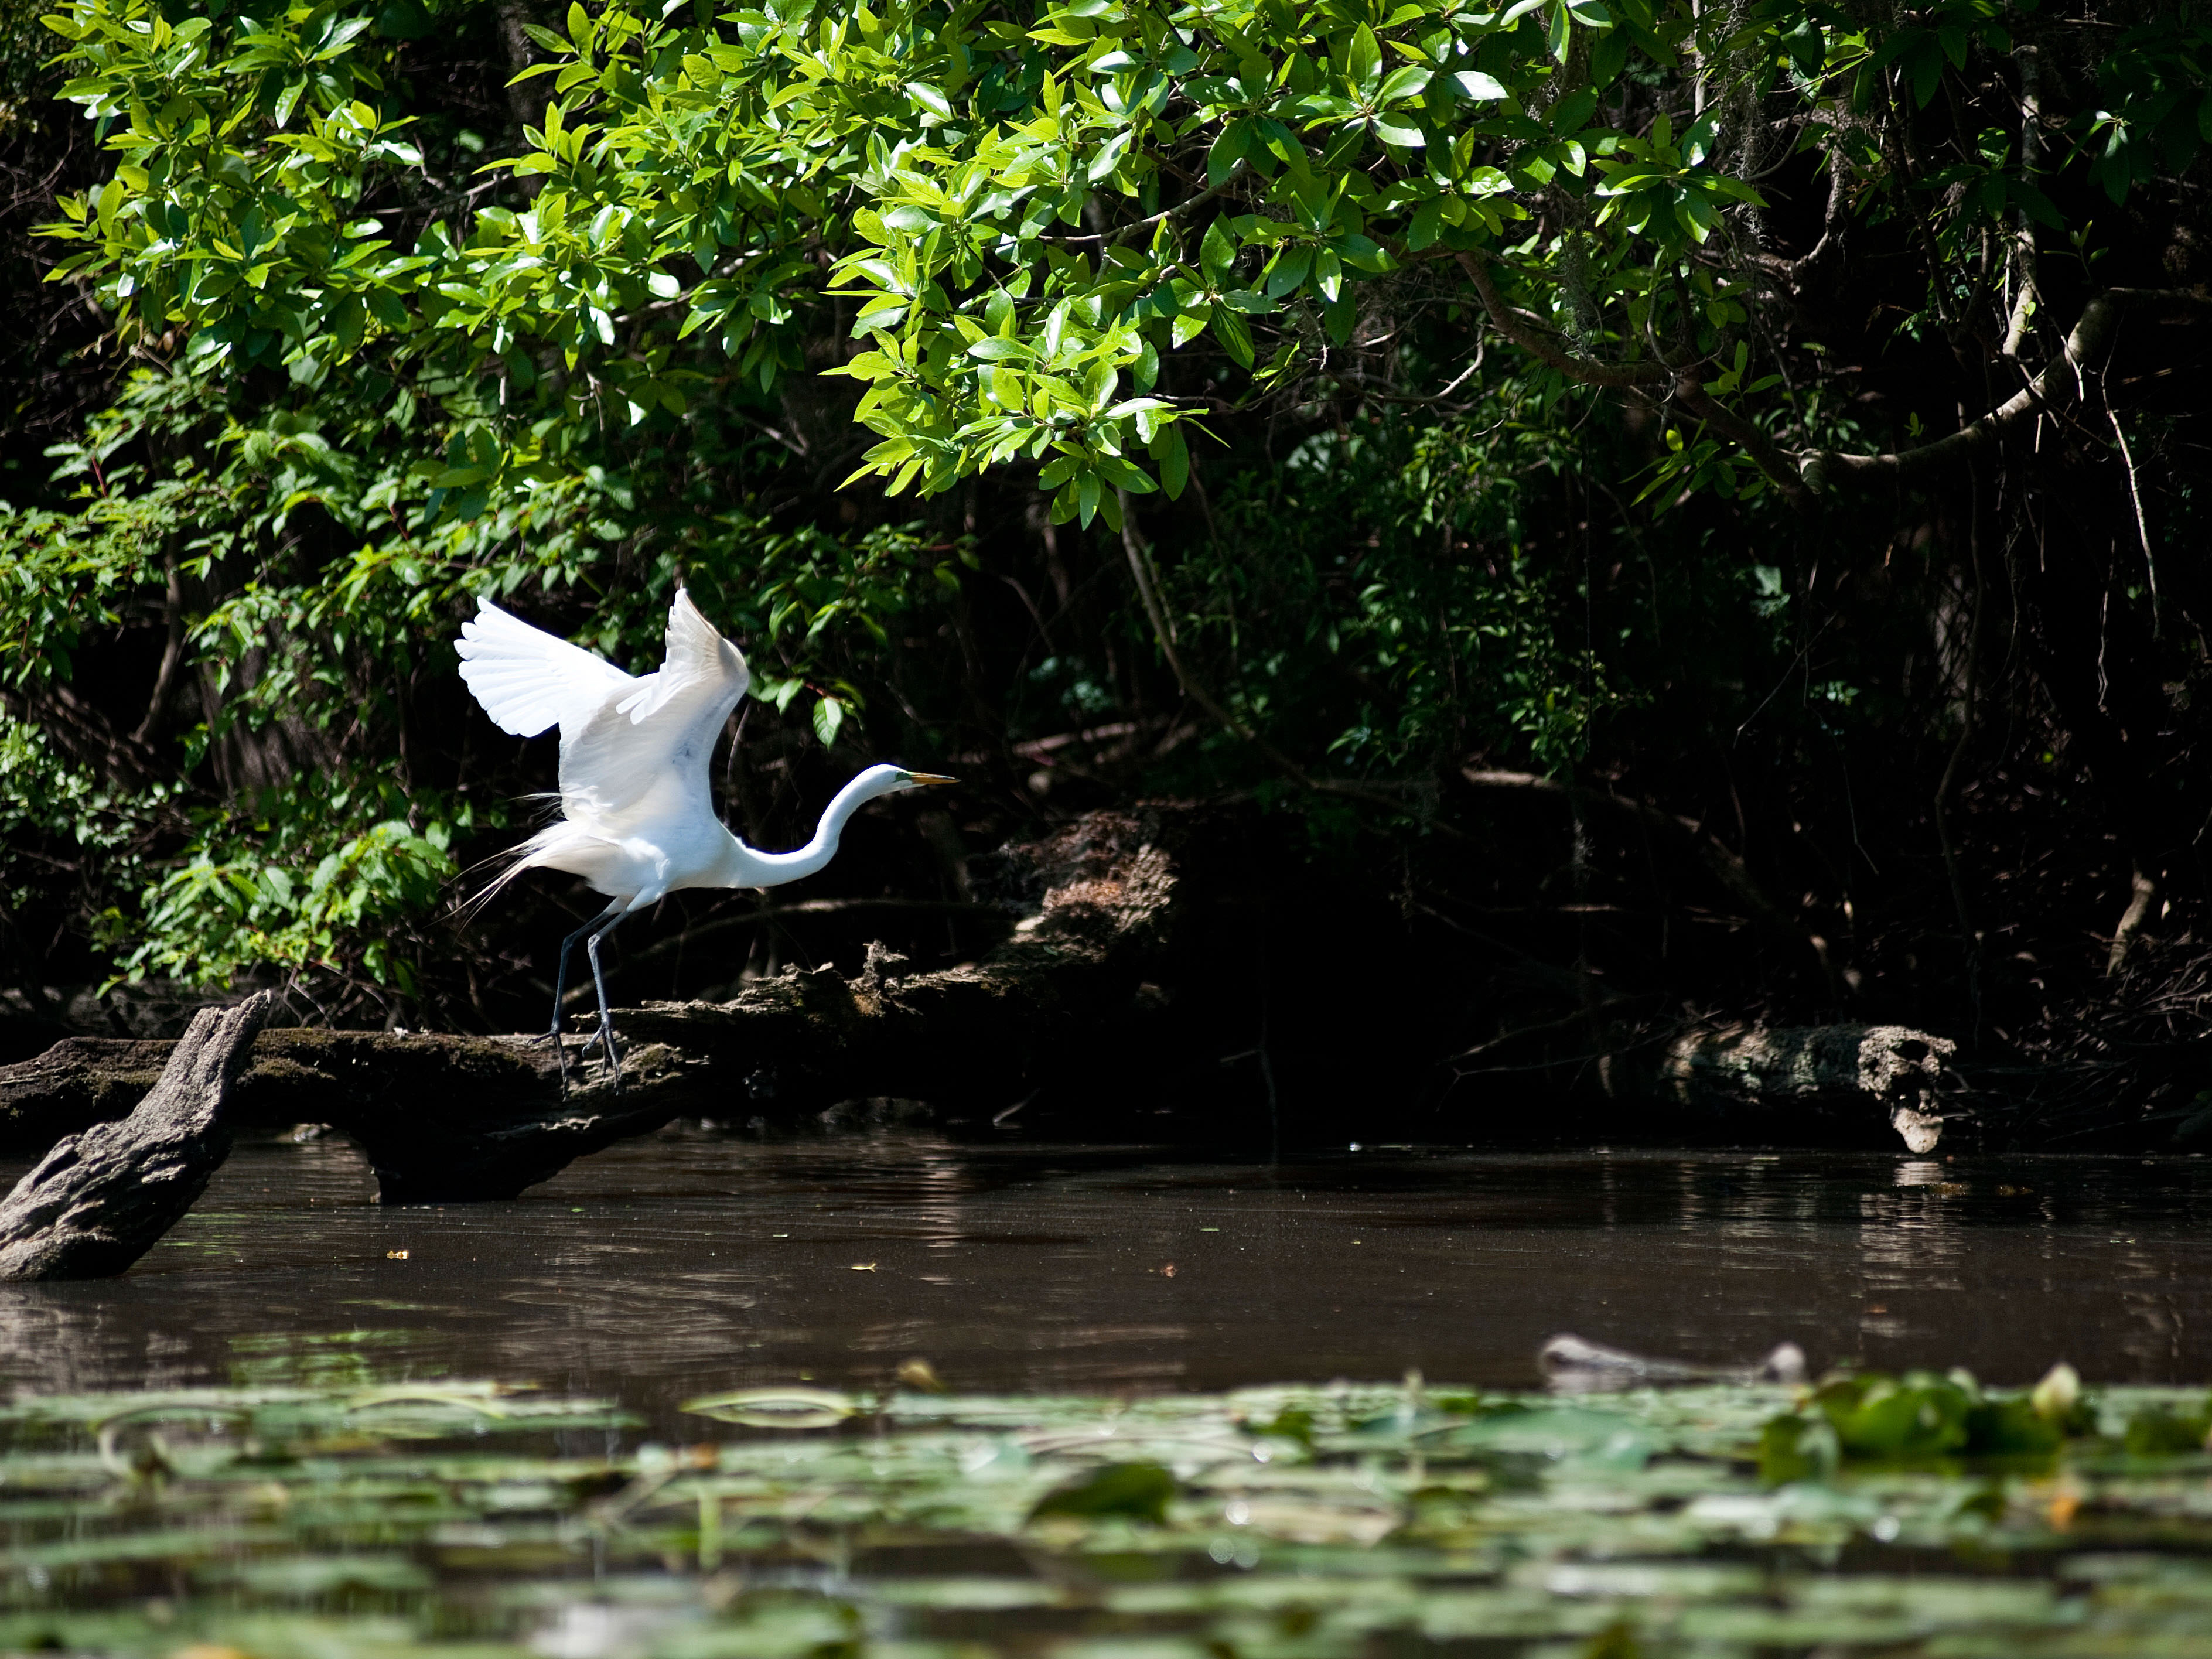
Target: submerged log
(102, 1198)
(1846, 1070)
(454, 1118)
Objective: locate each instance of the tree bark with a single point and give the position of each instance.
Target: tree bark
(101, 1199)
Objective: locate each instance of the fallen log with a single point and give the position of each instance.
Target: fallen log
(1102, 912)
(103, 1197)
(446, 1118)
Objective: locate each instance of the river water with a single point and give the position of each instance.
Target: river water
(696, 1261)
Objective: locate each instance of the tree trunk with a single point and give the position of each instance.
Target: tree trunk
(101, 1199)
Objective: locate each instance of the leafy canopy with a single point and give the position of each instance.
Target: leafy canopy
(1022, 218)
(1022, 214)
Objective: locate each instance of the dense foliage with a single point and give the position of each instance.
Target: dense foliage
(1778, 410)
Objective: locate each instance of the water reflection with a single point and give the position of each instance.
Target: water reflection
(700, 1261)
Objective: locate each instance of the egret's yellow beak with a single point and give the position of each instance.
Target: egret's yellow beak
(930, 777)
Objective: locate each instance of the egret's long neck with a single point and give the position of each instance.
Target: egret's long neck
(759, 869)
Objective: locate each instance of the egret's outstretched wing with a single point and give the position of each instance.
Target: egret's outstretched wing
(527, 680)
(640, 761)
(693, 655)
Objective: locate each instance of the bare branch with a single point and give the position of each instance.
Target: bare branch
(2056, 387)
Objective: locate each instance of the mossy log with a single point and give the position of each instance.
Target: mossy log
(448, 1118)
(103, 1196)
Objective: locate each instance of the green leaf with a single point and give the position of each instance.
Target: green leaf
(1363, 62)
(1236, 338)
(1328, 273)
(790, 1406)
(1421, 231)
(1216, 253)
(1289, 271)
(1404, 83)
(1131, 1492)
(1792, 1448)
(1608, 57)
(1227, 150)
(1169, 449)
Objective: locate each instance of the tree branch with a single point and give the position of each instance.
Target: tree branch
(1816, 470)
(1770, 458)
(661, 949)
(2059, 384)
(1163, 636)
(1533, 336)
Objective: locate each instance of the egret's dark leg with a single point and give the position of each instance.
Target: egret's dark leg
(607, 1036)
(559, 987)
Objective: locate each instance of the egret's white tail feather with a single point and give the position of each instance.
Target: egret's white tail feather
(516, 858)
(544, 804)
(559, 845)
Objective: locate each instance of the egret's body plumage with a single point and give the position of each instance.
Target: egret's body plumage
(637, 816)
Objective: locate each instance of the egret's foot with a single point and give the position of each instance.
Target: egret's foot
(560, 1057)
(605, 1038)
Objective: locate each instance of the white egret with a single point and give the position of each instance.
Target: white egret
(637, 819)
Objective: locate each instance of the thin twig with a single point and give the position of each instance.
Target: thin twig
(2134, 495)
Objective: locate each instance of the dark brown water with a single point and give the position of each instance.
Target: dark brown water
(696, 1262)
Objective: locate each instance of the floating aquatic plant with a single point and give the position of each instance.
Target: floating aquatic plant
(1930, 1516)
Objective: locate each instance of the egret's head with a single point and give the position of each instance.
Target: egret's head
(889, 780)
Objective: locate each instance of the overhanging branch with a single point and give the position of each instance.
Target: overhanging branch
(1532, 334)
(2059, 386)
(2047, 393)
(1770, 458)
